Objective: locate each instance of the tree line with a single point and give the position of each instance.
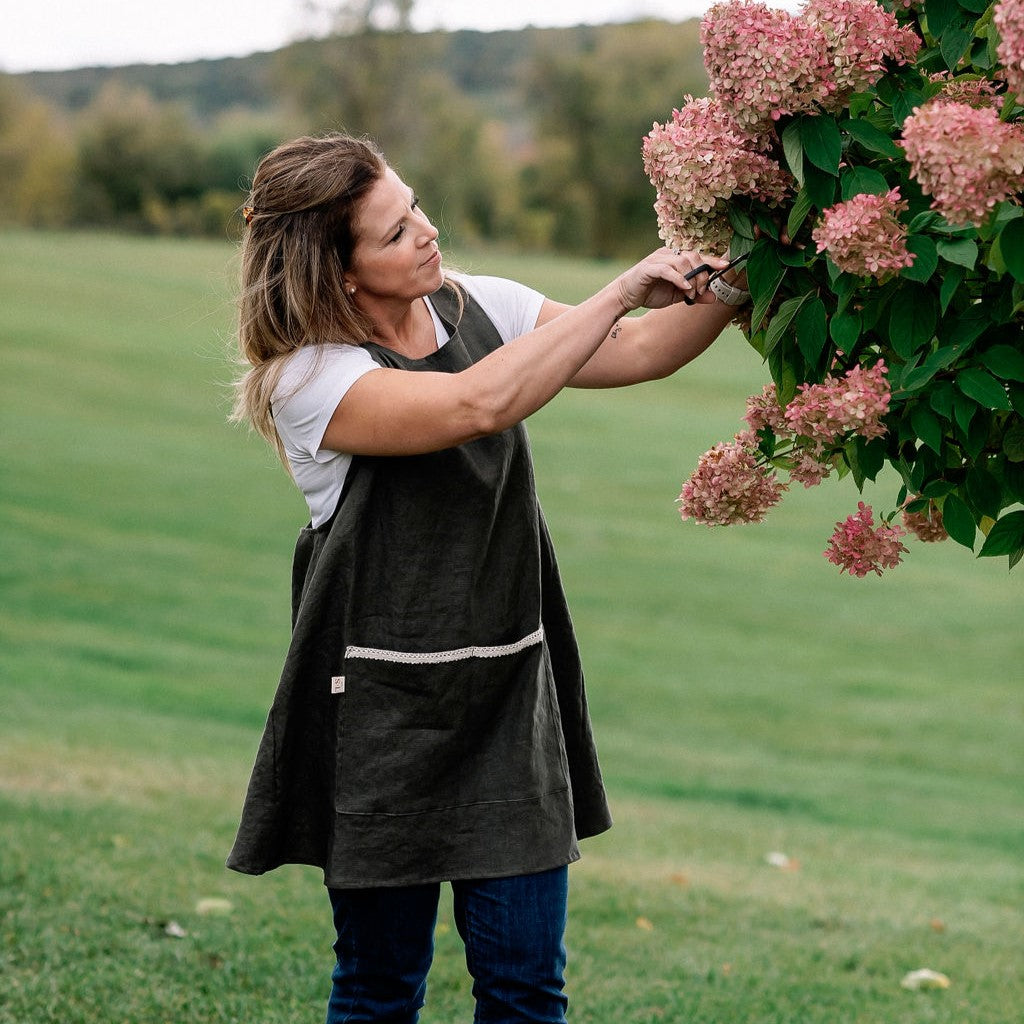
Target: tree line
(528, 137)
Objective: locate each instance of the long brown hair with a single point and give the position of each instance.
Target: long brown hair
(295, 252)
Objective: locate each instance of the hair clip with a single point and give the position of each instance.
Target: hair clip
(247, 212)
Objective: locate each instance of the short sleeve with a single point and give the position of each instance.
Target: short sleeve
(512, 307)
(314, 381)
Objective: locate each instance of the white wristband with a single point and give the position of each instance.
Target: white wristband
(728, 294)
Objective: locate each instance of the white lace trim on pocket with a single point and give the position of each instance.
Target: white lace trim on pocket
(440, 657)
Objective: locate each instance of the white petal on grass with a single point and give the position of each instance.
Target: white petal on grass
(924, 978)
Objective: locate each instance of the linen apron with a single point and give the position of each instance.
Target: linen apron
(431, 720)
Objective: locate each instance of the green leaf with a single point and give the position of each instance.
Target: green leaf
(783, 375)
(860, 103)
(740, 221)
(764, 275)
(812, 330)
(870, 456)
(763, 269)
(969, 326)
(962, 251)
(980, 385)
(863, 181)
(927, 427)
(865, 458)
(822, 142)
(994, 260)
(964, 410)
(958, 521)
(1013, 443)
(802, 206)
(1005, 362)
(766, 223)
(924, 220)
(912, 320)
(951, 280)
(1006, 537)
(941, 398)
(917, 376)
(793, 150)
(872, 138)
(940, 13)
(795, 256)
(783, 318)
(954, 42)
(845, 287)
(906, 101)
(1011, 245)
(926, 261)
(984, 491)
(938, 488)
(979, 433)
(942, 393)
(845, 330)
(821, 187)
(1013, 481)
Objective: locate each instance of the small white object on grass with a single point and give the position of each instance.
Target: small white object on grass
(924, 978)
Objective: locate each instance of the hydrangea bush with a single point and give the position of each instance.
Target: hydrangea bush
(870, 160)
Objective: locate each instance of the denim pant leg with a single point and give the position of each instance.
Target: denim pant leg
(384, 948)
(514, 931)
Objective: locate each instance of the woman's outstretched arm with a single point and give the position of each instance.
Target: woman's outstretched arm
(395, 412)
(652, 345)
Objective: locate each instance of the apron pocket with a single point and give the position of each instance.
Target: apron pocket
(414, 738)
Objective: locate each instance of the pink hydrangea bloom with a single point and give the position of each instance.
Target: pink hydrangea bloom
(858, 547)
(763, 62)
(1009, 20)
(808, 466)
(864, 236)
(966, 159)
(861, 36)
(697, 162)
(926, 525)
(764, 411)
(975, 92)
(854, 403)
(729, 486)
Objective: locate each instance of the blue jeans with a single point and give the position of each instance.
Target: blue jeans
(513, 930)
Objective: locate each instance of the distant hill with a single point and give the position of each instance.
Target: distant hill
(205, 86)
(482, 64)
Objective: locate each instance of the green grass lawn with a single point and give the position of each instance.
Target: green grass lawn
(746, 697)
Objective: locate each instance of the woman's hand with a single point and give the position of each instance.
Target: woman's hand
(660, 280)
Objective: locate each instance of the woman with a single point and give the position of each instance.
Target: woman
(430, 724)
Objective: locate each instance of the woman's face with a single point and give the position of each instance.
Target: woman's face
(395, 254)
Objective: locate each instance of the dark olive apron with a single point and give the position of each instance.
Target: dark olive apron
(431, 721)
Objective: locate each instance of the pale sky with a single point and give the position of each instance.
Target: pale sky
(57, 34)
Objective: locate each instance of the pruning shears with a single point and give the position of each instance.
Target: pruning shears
(713, 273)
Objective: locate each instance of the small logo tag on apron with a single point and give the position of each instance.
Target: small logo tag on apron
(337, 684)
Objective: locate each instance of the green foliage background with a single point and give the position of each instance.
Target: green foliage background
(746, 698)
(529, 137)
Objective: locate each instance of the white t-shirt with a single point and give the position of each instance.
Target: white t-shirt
(316, 378)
